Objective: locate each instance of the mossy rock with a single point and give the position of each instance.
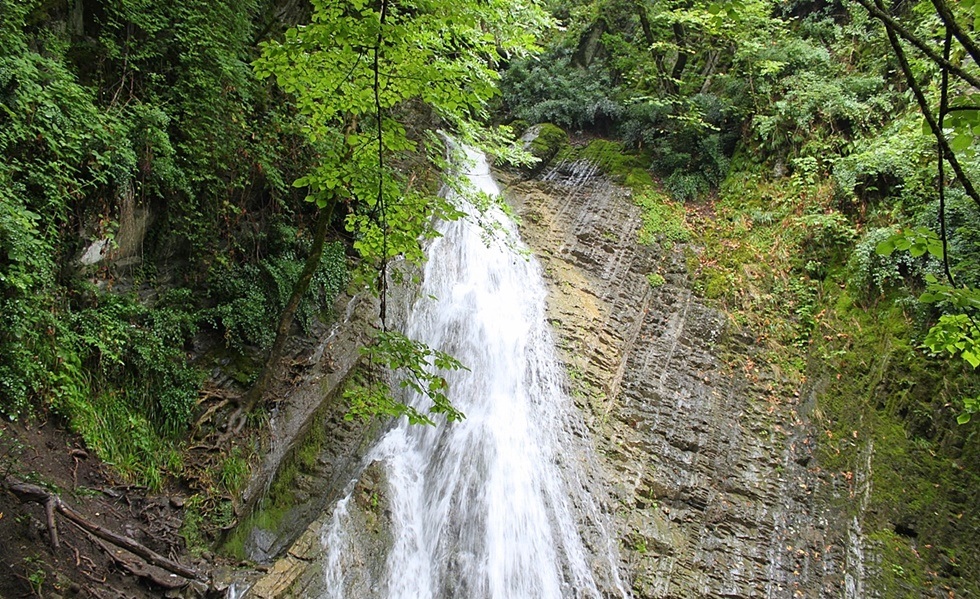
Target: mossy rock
(614, 160)
(544, 141)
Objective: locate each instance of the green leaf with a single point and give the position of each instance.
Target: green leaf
(961, 142)
(885, 248)
(963, 418)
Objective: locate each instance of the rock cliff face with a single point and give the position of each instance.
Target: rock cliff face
(703, 442)
(711, 488)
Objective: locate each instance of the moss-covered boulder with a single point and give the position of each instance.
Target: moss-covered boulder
(544, 141)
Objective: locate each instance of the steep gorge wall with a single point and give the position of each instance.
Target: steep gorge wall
(714, 489)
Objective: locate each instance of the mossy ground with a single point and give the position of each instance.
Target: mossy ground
(884, 396)
(550, 140)
(628, 168)
(281, 497)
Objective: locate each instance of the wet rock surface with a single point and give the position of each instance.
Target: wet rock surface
(301, 572)
(312, 399)
(702, 440)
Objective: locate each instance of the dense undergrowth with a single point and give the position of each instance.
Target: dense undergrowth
(142, 129)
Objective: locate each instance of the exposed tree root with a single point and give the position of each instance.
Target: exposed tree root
(30, 493)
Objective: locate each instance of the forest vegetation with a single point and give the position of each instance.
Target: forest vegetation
(177, 177)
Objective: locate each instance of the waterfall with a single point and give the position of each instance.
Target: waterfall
(495, 506)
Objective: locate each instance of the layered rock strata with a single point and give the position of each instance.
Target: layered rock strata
(703, 442)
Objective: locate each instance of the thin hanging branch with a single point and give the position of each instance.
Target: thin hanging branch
(943, 109)
(381, 167)
(924, 106)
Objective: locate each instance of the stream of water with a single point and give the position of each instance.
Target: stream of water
(495, 506)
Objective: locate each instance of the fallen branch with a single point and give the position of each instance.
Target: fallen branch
(29, 493)
(206, 416)
(139, 569)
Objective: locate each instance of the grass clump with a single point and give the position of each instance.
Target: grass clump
(656, 279)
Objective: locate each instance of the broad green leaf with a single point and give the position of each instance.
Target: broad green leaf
(961, 142)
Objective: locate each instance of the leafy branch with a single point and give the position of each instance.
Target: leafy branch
(417, 367)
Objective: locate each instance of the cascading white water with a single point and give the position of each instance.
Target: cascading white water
(490, 507)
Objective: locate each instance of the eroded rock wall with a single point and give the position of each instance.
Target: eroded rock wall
(714, 492)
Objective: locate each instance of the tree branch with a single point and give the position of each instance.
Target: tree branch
(894, 26)
(924, 108)
(943, 109)
(953, 27)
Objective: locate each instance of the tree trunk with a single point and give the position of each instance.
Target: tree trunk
(255, 394)
(681, 61)
(658, 57)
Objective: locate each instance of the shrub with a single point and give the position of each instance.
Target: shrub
(249, 298)
(871, 274)
(550, 90)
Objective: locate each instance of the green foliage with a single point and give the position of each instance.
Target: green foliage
(873, 274)
(331, 68)
(663, 219)
(153, 106)
(233, 472)
(886, 392)
(192, 528)
(417, 367)
(250, 297)
(27, 351)
(825, 239)
(126, 344)
(897, 163)
(358, 73)
(957, 335)
(655, 279)
(917, 242)
(549, 89)
(122, 436)
(796, 114)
